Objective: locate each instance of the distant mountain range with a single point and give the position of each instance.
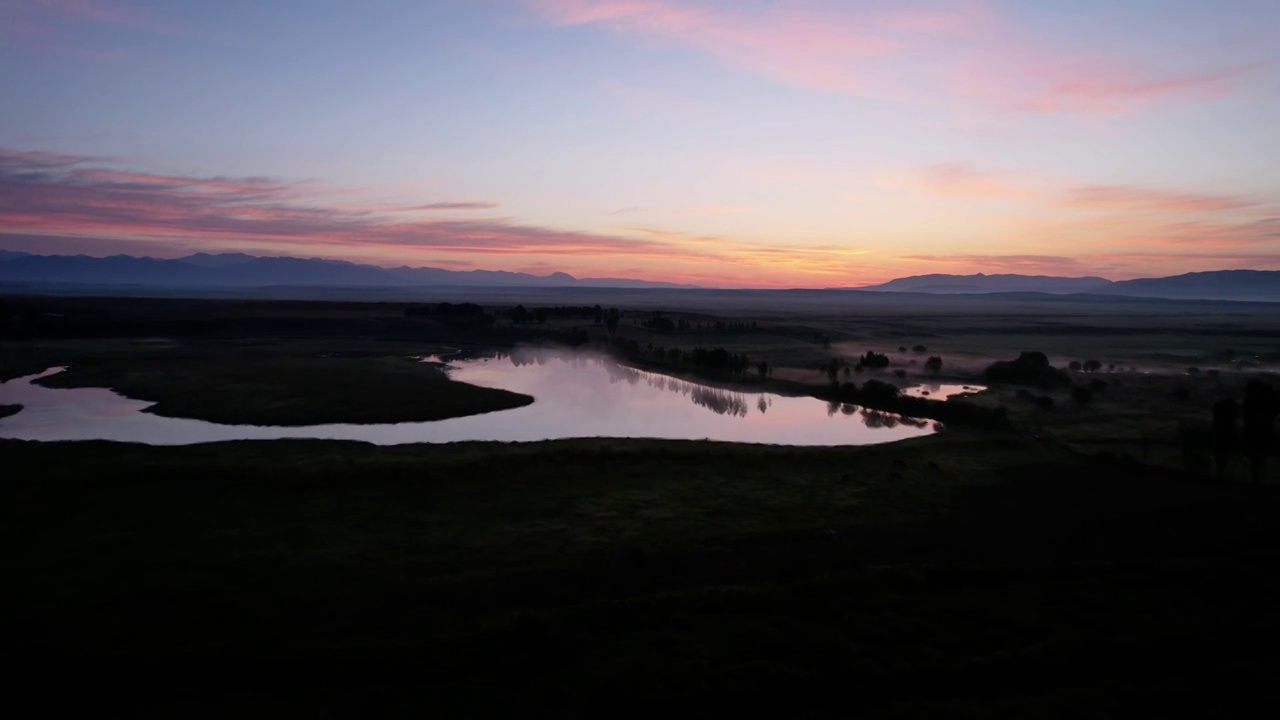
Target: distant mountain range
(1262, 285)
(206, 272)
(953, 284)
(236, 270)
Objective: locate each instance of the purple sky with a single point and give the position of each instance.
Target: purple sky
(748, 143)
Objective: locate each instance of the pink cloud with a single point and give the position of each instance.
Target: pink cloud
(61, 198)
(1041, 80)
(966, 179)
(1130, 197)
(801, 44)
(926, 53)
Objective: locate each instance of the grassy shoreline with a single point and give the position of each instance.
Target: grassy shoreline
(288, 391)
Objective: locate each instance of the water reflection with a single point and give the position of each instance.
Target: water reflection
(941, 391)
(576, 395)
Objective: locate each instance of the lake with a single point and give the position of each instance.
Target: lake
(575, 396)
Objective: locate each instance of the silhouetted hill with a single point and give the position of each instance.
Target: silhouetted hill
(221, 260)
(237, 270)
(207, 272)
(1260, 285)
(981, 283)
(1216, 285)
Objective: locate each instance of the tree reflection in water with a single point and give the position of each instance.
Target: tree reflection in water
(720, 402)
(717, 400)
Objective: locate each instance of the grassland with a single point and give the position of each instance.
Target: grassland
(633, 578)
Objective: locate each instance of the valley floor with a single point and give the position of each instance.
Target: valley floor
(1082, 563)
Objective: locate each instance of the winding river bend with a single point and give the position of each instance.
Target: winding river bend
(575, 396)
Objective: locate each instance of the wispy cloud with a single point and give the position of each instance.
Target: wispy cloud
(57, 194)
(969, 180)
(1050, 78)
(799, 43)
(71, 204)
(1131, 197)
(924, 52)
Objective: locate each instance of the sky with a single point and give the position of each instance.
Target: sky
(722, 143)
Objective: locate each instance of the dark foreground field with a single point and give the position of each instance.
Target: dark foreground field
(1078, 562)
(966, 574)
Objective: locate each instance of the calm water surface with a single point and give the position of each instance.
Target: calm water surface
(941, 391)
(574, 396)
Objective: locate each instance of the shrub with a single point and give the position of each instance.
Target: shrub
(1031, 368)
(1092, 365)
(933, 364)
(920, 349)
(1074, 366)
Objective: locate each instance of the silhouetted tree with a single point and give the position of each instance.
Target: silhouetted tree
(877, 392)
(873, 360)
(611, 320)
(1074, 366)
(1092, 365)
(1030, 368)
(598, 314)
(519, 315)
(659, 323)
(763, 369)
(1225, 413)
(1259, 416)
(933, 364)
